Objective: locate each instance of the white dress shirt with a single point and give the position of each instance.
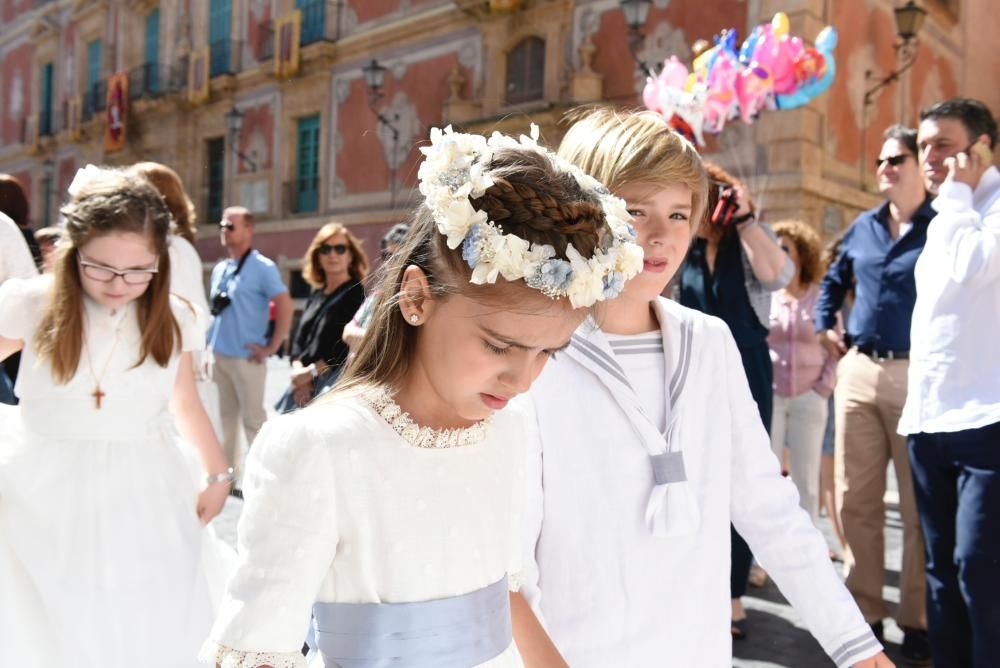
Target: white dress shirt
(954, 375)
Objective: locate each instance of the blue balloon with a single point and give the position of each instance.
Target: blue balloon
(749, 44)
(826, 42)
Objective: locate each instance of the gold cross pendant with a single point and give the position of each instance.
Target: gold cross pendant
(98, 395)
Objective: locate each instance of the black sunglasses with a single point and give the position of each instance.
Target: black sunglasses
(894, 161)
(324, 249)
(226, 225)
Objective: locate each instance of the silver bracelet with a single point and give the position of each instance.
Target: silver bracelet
(216, 478)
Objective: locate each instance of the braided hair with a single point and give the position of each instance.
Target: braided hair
(530, 198)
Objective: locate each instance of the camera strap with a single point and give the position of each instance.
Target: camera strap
(239, 266)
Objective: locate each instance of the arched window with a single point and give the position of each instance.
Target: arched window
(526, 71)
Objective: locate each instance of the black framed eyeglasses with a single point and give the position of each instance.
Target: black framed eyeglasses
(103, 274)
(893, 160)
(325, 249)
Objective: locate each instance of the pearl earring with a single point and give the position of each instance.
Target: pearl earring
(414, 318)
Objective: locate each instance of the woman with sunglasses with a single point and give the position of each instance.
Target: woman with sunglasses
(877, 259)
(334, 266)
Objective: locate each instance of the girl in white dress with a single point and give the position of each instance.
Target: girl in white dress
(640, 469)
(393, 502)
(104, 561)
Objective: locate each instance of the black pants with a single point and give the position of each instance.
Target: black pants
(760, 375)
(956, 478)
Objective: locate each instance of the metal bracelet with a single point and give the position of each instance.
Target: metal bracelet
(216, 478)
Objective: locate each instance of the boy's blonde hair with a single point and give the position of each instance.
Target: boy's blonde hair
(618, 147)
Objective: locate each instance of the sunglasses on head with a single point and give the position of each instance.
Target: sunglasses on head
(894, 160)
(324, 249)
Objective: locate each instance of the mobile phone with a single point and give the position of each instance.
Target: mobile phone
(982, 151)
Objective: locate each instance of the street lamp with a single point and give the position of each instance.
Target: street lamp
(48, 171)
(909, 19)
(636, 12)
(375, 78)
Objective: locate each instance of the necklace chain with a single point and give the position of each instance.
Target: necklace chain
(98, 393)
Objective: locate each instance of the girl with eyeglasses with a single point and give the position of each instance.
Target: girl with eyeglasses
(334, 266)
(104, 558)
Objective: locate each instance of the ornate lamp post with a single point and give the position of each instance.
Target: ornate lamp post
(375, 77)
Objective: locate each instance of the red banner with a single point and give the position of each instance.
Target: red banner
(117, 112)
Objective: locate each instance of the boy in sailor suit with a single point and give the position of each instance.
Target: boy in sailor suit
(649, 444)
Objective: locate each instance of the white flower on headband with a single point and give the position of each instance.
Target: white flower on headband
(454, 172)
(84, 177)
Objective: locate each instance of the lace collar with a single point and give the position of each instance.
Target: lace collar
(382, 402)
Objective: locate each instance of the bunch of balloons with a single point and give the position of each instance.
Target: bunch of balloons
(771, 69)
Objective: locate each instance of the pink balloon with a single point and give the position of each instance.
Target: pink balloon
(753, 85)
(787, 50)
(721, 95)
(651, 94)
(765, 50)
(674, 73)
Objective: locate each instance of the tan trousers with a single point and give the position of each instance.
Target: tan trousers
(868, 402)
(241, 401)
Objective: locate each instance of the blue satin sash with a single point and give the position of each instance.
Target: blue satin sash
(456, 632)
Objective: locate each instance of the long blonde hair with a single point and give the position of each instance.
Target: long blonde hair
(530, 198)
(312, 270)
(115, 201)
(618, 147)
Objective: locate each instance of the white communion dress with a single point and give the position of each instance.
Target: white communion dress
(103, 561)
(350, 502)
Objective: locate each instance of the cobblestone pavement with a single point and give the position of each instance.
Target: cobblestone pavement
(776, 635)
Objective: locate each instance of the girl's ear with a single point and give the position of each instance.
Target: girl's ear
(416, 302)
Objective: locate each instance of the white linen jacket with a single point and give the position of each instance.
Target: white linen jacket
(624, 573)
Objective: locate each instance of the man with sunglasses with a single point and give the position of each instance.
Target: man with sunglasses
(876, 262)
(952, 414)
(242, 288)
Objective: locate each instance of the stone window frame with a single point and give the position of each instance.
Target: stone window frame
(525, 40)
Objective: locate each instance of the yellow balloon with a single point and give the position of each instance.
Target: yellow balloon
(690, 84)
(779, 24)
(700, 64)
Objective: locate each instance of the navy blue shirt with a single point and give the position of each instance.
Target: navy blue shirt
(880, 270)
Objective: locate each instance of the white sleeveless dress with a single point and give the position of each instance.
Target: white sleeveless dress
(103, 561)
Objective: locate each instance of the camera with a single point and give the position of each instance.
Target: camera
(726, 208)
(220, 301)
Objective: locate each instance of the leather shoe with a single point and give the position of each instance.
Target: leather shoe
(916, 647)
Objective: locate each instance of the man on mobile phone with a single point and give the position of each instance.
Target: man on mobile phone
(952, 411)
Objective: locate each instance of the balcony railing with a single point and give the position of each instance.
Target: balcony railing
(155, 79)
(41, 124)
(225, 57)
(313, 21)
(47, 123)
(94, 99)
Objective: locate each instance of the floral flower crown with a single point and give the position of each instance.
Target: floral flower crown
(454, 172)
